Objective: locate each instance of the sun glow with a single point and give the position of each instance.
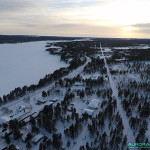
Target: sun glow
(102, 18)
(129, 28)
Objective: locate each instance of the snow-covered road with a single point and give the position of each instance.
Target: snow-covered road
(11, 105)
(127, 130)
(78, 70)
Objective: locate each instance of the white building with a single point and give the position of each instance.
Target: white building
(93, 104)
(37, 138)
(24, 137)
(78, 84)
(88, 111)
(20, 108)
(41, 101)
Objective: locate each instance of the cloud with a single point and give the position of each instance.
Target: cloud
(18, 5)
(142, 28)
(15, 5)
(104, 18)
(64, 4)
(142, 25)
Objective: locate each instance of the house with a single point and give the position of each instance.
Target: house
(70, 108)
(25, 136)
(49, 103)
(88, 111)
(37, 138)
(54, 100)
(95, 77)
(41, 101)
(84, 100)
(17, 147)
(78, 84)
(93, 104)
(19, 108)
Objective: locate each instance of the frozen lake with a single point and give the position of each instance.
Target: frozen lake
(24, 64)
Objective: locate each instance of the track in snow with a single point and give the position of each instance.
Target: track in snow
(127, 130)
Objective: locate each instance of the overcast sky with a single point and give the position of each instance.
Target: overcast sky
(92, 18)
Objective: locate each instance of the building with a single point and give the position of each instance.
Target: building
(49, 103)
(88, 111)
(41, 101)
(37, 138)
(54, 99)
(78, 84)
(20, 108)
(25, 136)
(93, 104)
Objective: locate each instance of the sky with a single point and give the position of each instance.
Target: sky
(85, 18)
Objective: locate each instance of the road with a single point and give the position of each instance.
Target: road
(33, 94)
(127, 130)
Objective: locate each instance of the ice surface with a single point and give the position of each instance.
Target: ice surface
(24, 64)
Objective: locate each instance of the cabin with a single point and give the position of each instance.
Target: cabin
(49, 103)
(93, 104)
(70, 108)
(37, 138)
(94, 77)
(25, 136)
(17, 147)
(88, 111)
(78, 84)
(54, 99)
(41, 101)
(20, 108)
(72, 104)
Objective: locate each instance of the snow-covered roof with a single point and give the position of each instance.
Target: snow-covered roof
(24, 136)
(4, 119)
(54, 99)
(17, 147)
(93, 104)
(88, 111)
(37, 138)
(20, 107)
(78, 84)
(49, 103)
(41, 100)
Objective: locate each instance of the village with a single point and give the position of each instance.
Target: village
(83, 105)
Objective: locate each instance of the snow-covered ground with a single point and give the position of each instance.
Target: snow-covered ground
(24, 64)
(140, 46)
(118, 78)
(119, 107)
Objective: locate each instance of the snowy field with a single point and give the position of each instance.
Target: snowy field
(24, 64)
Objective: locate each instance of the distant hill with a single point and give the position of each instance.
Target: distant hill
(105, 41)
(25, 38)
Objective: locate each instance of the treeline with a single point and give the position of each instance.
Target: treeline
(130, 55)
(74, 49)
(25, 38)
(120, 42)
(95, 65)
(49, 78)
